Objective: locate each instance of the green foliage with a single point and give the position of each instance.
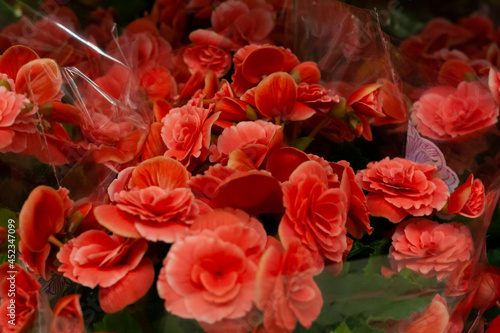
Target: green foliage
(361, 295)
(120, 322)
(342, 328)
(5, 216)
(8, 14)
(173, 324)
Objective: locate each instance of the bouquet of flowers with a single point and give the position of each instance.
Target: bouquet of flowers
(246, 165)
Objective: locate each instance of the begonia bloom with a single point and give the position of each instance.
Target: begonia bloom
(210, 275)
(400, 187)
(429, 248)
(285, 288)
(455, 114)
(255, 138)
(151, 201)
(186, 133)
(315, 214)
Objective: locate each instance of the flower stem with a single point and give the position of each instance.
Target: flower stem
(55, 241)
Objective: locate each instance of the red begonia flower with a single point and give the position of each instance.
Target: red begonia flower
(255, 138)
(315, 214)
(210, 275)
(430, 248)
(134, 285)
(26, 297)
(42, 216)
(400, 187)
(151, 201)
(14, 58)
(468, 199)
(435, 318)
(95, 258)
(276, 96)
(308, 71)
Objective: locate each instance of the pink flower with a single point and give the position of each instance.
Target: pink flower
(112, 262)
(399, 187)
(449, 114)
(186, 133)
(429, 248)
(151, 201)
(243, 24)
(11, 105)
(254, 138)
(285, 287)
(210, 275)
(315, 214)
(207, 57)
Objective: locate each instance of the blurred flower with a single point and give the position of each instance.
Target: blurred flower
(429, 248)
(68, 316)
(449, 114)
(435, 318)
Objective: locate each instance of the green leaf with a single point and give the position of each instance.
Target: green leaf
(5, 216)
(361, 295)
(494, 256)
(302, 143)
(8, 14)
(120, 322)
(173, 324)
(342, 328)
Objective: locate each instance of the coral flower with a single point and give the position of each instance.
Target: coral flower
(285, 289)
(254, 138)
(151, 201)
(112, 262)
(210, 275)
(468, 199)
(399, 187)
(186, 133)
(430, 248)
(315, 213)
(435, 318)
